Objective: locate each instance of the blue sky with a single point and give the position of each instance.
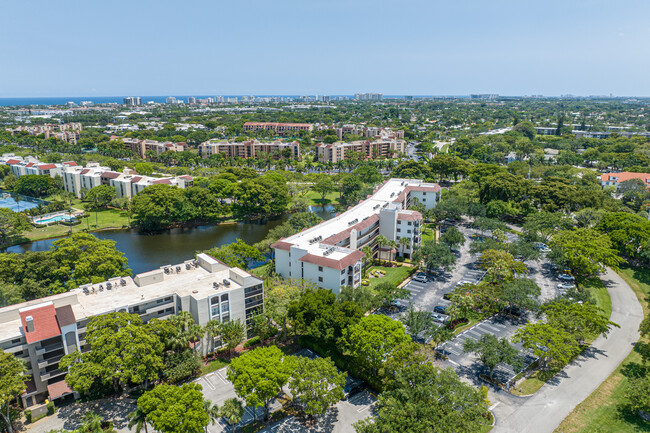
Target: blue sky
(452, 47)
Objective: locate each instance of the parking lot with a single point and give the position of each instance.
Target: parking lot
(217, 388)
(500, 326)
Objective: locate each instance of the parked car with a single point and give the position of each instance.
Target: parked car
(566, 277)
(565, 286)
(440, 309)
(420, 278)
(463, 282)
(447, 296)
(438, 318)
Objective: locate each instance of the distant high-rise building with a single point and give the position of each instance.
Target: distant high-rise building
(484, 96)
(191, 100)
(170, 100)
(326, 98)
(408, 98)
(368, 96)
(132, 100)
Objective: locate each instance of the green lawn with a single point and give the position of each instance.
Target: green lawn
(105, 219)
(261, 270)
(603, 410)
(213, 365)
(331, 198)
(427, 234)
(393, 275)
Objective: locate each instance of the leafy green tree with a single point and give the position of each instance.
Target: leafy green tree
(387, 293)
(144, 168)
(548, 343)
(318, 315)
(213, 411)
(580, 320)
(424, 398)
(175, 409)
(93, 423)
(440, 334)
(233, 411)
(364, 296)
(628, 232)
(540, 226)
(637, 395)
(323, 186)
(434, 255)
(184, 331)
(453, 237)
(368, 174)
(279, 298)
(585, 251)
(12, 385)
(237, 254)
(83, 259)
(352, 190)
(100, 195)
(233, 333)
(122, 351)
(417, 321)
(12, 224)
(493, 351)
(373, 340)
(501, 266)
(521, 293)
(316, 384)
(259, 375)
(34, 185)
(159, 206)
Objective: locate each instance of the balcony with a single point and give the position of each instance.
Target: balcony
(42, 363)
(50, 348)
(50, 374)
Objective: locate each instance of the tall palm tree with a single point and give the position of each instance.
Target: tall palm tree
(186, 331)
(233, 411)
(405, 242)
(393, 245)
(138, 419)
(213, 329)
(382, 241)
(213, 412)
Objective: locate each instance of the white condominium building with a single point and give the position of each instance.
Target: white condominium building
(329, 254)
(42, 331)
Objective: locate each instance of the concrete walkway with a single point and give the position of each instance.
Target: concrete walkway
(545, 410)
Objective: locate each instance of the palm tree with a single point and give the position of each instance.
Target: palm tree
(393, 245)
(213, 329)
(233, 332)
(213, 412)
(186, 331)
(233, 411)
(138, 419)
(405, 242)
(382, 241)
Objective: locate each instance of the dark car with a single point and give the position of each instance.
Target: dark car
(352, 386)
(440, 309)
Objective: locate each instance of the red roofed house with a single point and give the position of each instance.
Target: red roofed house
(615, 179)
(330, 253)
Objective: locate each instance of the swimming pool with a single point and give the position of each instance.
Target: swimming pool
(54, 218)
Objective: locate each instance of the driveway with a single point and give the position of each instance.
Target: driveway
(546, 409)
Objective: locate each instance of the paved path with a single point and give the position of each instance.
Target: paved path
(546, 409)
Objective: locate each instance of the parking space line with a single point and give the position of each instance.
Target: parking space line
(222, 378)
(210, 385)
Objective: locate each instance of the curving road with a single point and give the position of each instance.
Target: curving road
(545, 410)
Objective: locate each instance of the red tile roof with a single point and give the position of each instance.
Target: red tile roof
(187, 177)
(136, 179)
(408, 189)
(409, 216)
(30, 164)
(58, 389)
(12, 161)
(165, 181)
(625, 175)
(70, 163)
(45, 323)
(282, 245)
(47, 166)
(110, 175)
(85, 170)
(346, 261)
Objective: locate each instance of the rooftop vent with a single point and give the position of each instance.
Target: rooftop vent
(215, 285)
(178, 269)
(29, 323)
(123, 281)
(328, 252)
(187, 266)
(166, 269)
(109, 286)
(101, 288)
(226, 283)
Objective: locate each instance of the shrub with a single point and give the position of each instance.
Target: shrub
(365, 282)
(28, 415)
(252, 342)
(400, 259)
(50, 408)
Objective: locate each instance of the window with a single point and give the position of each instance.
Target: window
(423, 200)
(343, 282)
(410, 223)
(342, 271)
(399, 230)
(320, 269)
(320, 279)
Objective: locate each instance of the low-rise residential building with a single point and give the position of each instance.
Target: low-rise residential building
(142, 147)
(78, 179)
(68, 132)
(42, 331)
(382, 148)
(615, 179)
(250, 149)
(280, 128)
(329, 254)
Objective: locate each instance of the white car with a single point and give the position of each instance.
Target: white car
(565, 286)
(420, 278)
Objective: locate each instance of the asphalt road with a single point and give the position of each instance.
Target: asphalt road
(546, 409)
